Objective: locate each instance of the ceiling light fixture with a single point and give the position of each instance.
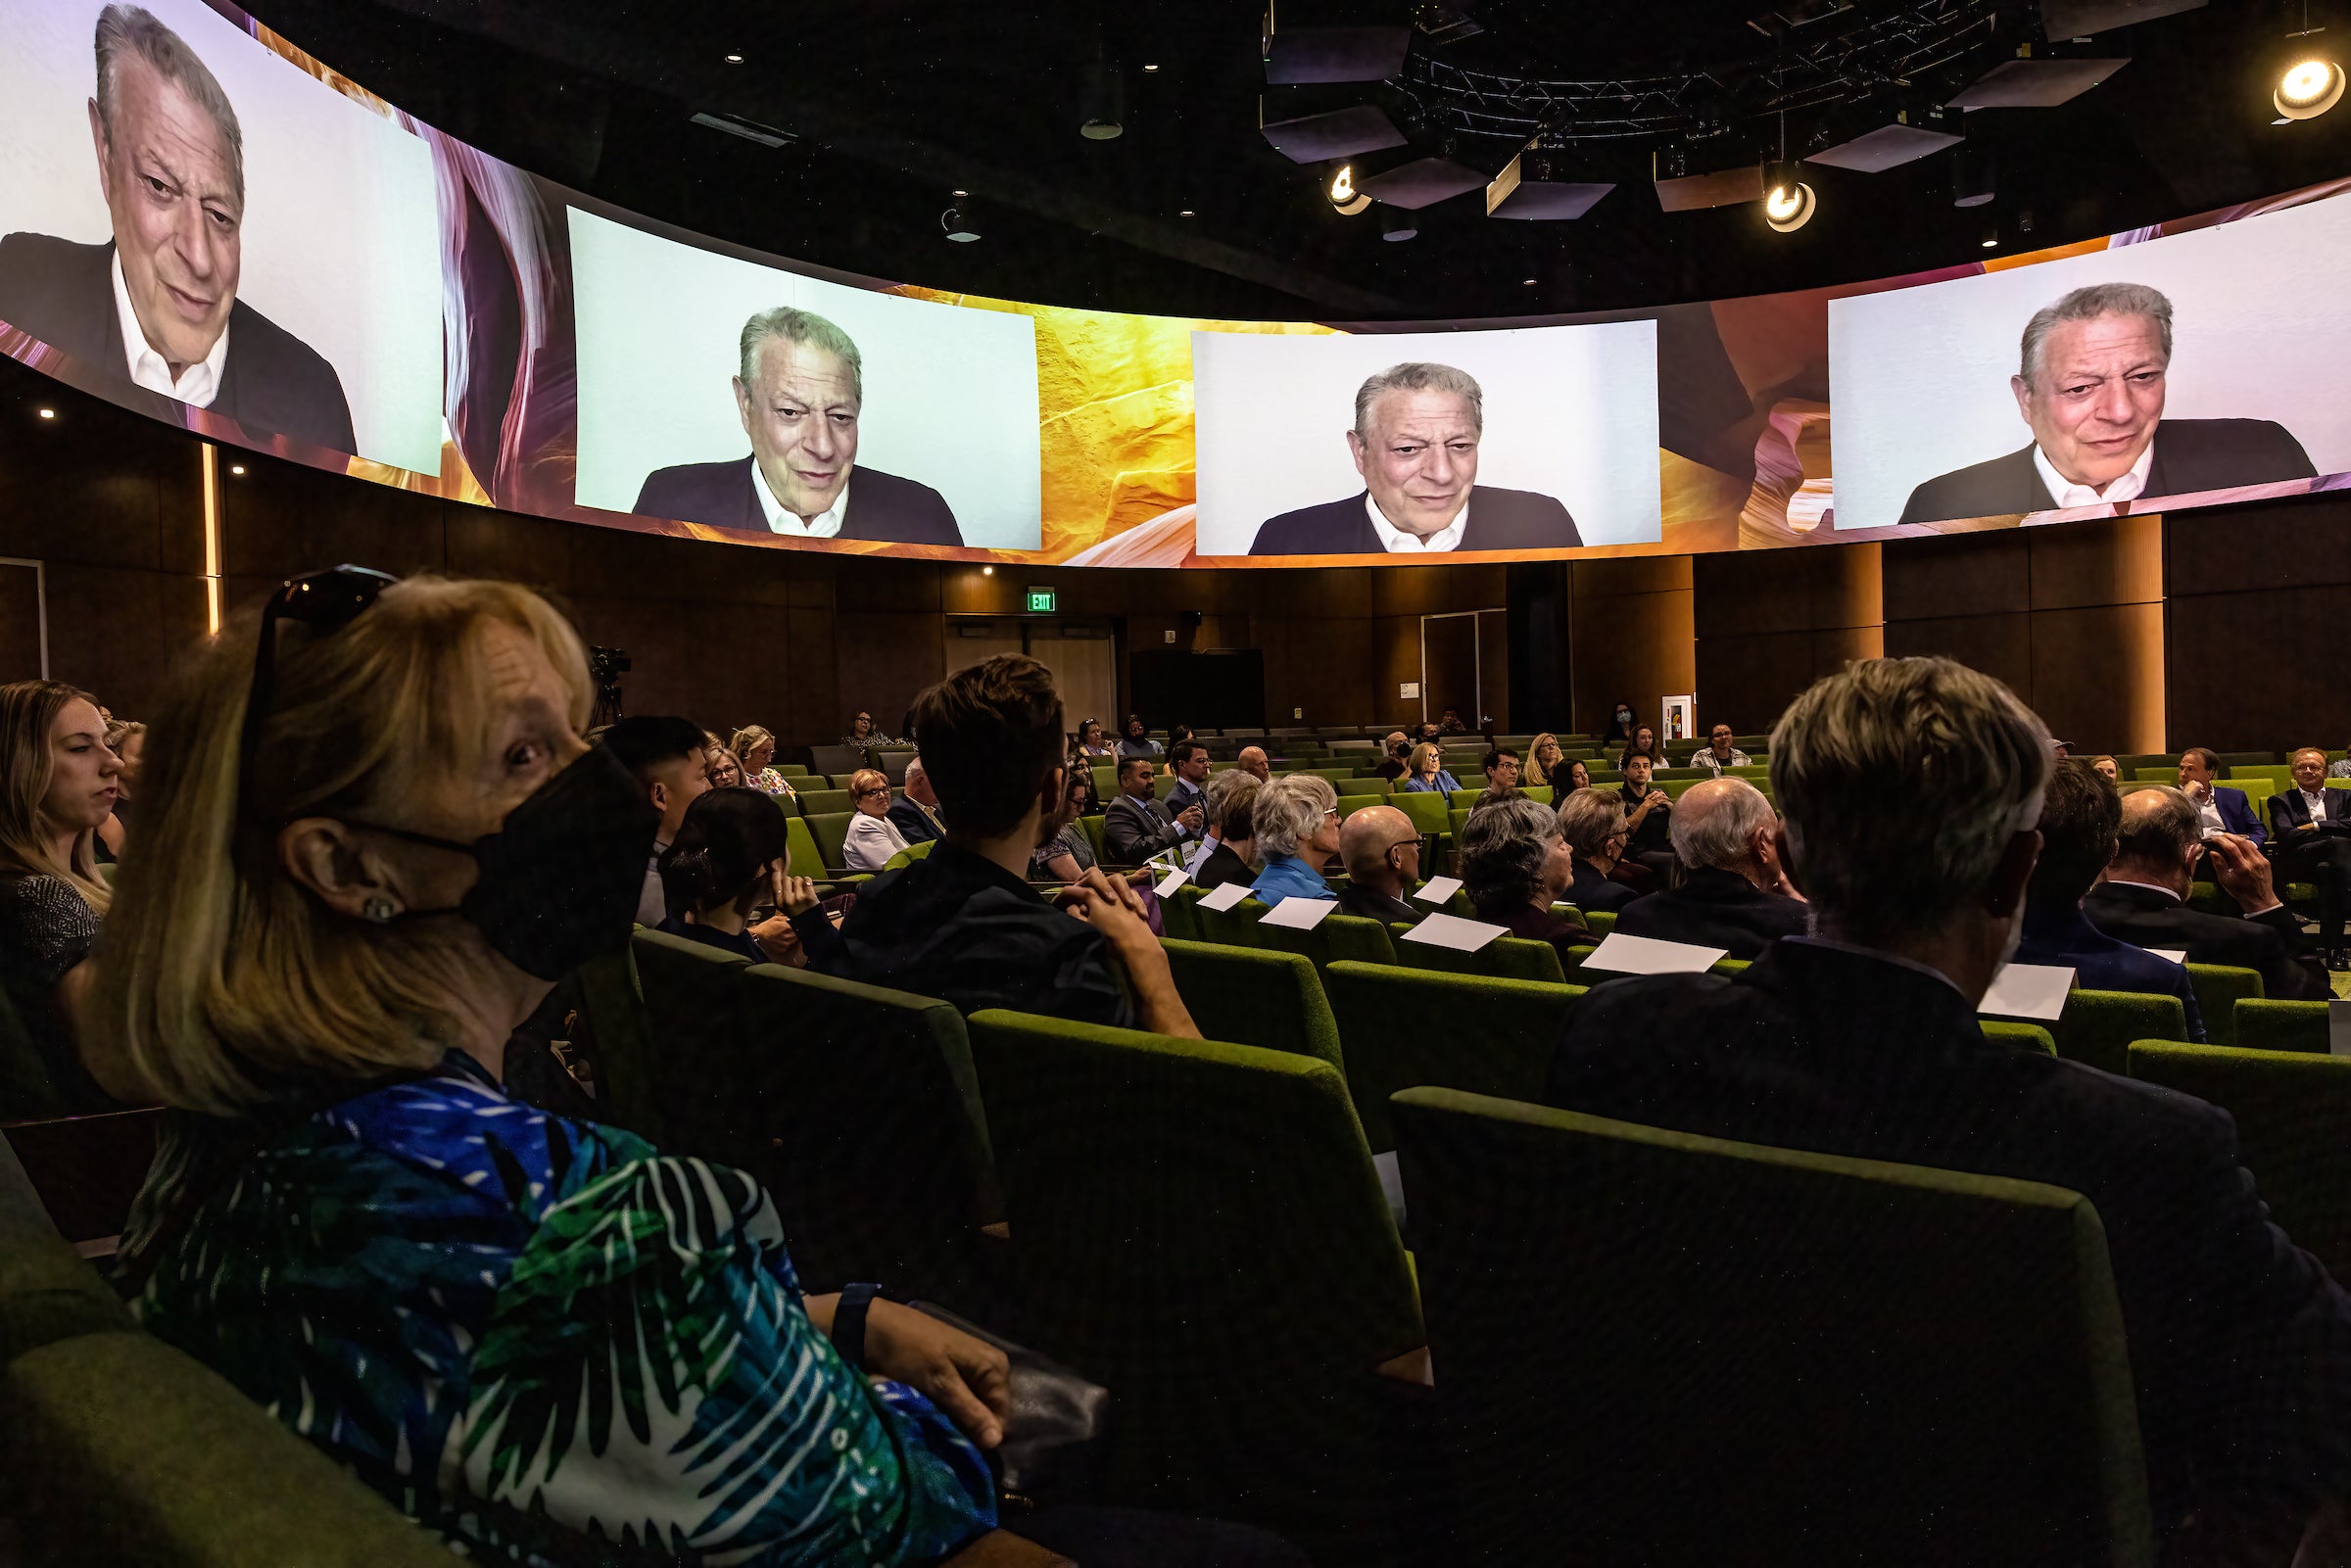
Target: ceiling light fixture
(1397, 226)
(1150, 70)
(2308, 88)
(1788, 202)
(1105, 101)
(1342, 192)
(236, 468)
(734, 60)
(959, 224)
(1991, 239)
(987, 571)
(48, 413)
(959, 195)
(1186, 213)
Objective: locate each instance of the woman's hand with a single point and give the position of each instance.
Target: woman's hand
(793, 895)
(779, 942)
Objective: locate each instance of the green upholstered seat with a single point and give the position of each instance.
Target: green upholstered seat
(1339, 937)
(1465, 801)
(1599, 921)
(807, 859)
(2290, 1110)
(2274, 1025)
(831, 830)
(1091, 826)
(818, 802)
(854, 1105)
(1199, 1226)
(909, 855)
(119, 1449)
(1507, 957)
(1427, 809)
(1231, 928)
(793, 770)
(47, 1291)
(2219, 988)
(2097, 1027)
(1252, 996)
(1356, 784)
(2031, 1036)
(1350, 804)
(1391, 1021)
(1179, 912)
(1745, 1351)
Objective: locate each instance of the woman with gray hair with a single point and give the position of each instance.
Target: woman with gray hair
(1592, 821)
(1296, 821)
(1516, 863)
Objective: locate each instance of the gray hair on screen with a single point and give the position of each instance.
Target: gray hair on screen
(1718, 827)
(1419, 375)
(1899, 784)
(132, 33)
(795, 325)
(2088, 303)
(1289, 810)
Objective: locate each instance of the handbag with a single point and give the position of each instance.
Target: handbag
(1057, 1434)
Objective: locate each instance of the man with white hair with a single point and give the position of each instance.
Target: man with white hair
(1910, 790)
(1735, 894)
(1414, 443)
(157, 304)
(2089, 383)
(799, 388)
(915, 814)
(1297, 819)
(1254, 762)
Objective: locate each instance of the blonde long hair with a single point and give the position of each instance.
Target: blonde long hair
(220, 979)
(28, 711)
(1534, 758)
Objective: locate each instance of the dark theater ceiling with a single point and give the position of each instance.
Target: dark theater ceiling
(889, 108)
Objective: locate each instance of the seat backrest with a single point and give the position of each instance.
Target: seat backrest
(87, 1170)
(1337, 937)
(807, 859)
(645, 1008)
(1505, 957)
(2096, 1027)
(2290, 1109)
(1392, 1024)
(47, 1292)
(831, 830)
(2273, 1025)
(822, 802)
(121, 1449)
(2219, 987)
(1179, 912)
(1426, 808)
(1252, 996)
(910, 854)
(1744, 1350)
(830, 760)
(2031, 1036)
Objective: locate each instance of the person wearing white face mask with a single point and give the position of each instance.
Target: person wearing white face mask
(1911, 792)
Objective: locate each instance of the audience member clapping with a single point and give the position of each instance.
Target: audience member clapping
(1427, 771)
(2081, 828)
(1137, 825)
(730, 856)
(1734, 893)
(871, 837)
(1592, 821)
(1910, 790)
(963, 923)
(666, 755)
(915, 815)
(1515, 865)
(1297, 818)
(334, 932)
(1234, 859)
(2142, 897)
(1382, 850)
(755, 749)
(58, 785)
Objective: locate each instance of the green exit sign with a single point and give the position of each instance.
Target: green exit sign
(1043, 601)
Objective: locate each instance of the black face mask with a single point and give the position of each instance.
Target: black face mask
(560, 878)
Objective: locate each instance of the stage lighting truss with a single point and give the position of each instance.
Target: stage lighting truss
(1887, 50)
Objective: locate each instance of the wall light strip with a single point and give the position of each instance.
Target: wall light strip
(211, 538)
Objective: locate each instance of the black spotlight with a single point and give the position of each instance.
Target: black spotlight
(960, 223)
(1396, 224)
(1972, 178)
(1104, 103)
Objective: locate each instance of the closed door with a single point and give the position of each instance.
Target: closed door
(1449, 667)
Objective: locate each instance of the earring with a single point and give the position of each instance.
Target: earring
(380, 910)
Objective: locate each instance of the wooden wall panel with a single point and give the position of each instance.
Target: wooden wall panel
(2258, 671)
(2001, 645)
(1956, 575)
(1634, 639)
(1772, 622)
(2096, 674)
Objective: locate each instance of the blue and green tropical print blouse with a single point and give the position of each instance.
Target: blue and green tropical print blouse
(504, 1321)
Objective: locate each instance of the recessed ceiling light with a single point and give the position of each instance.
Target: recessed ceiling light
(734, 60)
(987, 571)
(1529, 282)
(1148, 70)
(236, 468)
(959, 195)
(48, 413)
(1186, 213)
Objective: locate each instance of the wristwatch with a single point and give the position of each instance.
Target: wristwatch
(848, 1321)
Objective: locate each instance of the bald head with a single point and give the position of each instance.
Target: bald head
(2159, 840)
(1365, 839)
(1716, 824)
(1252, 761)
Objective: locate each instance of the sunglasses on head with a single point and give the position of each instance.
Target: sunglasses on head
(323, 601)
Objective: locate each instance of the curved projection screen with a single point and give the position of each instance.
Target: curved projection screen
(246, 244)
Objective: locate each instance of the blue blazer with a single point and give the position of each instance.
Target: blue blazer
(2236, 813)
(1446, 783)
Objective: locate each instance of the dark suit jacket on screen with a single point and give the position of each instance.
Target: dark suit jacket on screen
(2149, 917)
(2237, 1340)
(1499, 519)
(2190, 455)
(882, 506)
(64, 294)
(1714, 907)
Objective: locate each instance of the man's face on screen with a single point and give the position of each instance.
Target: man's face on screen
(172, 190)
(802, 420)
(1421, 458)
(2095, 401)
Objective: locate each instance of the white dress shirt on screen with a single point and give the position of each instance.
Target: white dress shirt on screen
(197, 386)
(2064, 493)
(824, 525)
(1395, 541)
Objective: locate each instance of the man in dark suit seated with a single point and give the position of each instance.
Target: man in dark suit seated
(799, 391)
(157, 306)
(1592, 821)
(1415, 442)
(1734, 893)
(1232, 807)
(2220, 808)
(915, 814)
(1187, 760)
(2090, 385)
(2081, 821)
(2310, 833)
(1909, 789)
(1136, 825)
(2142, 899)
(1382, 850)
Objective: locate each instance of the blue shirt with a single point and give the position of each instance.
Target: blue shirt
(1288, 876)
(2060, 935)
(1414, 785)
